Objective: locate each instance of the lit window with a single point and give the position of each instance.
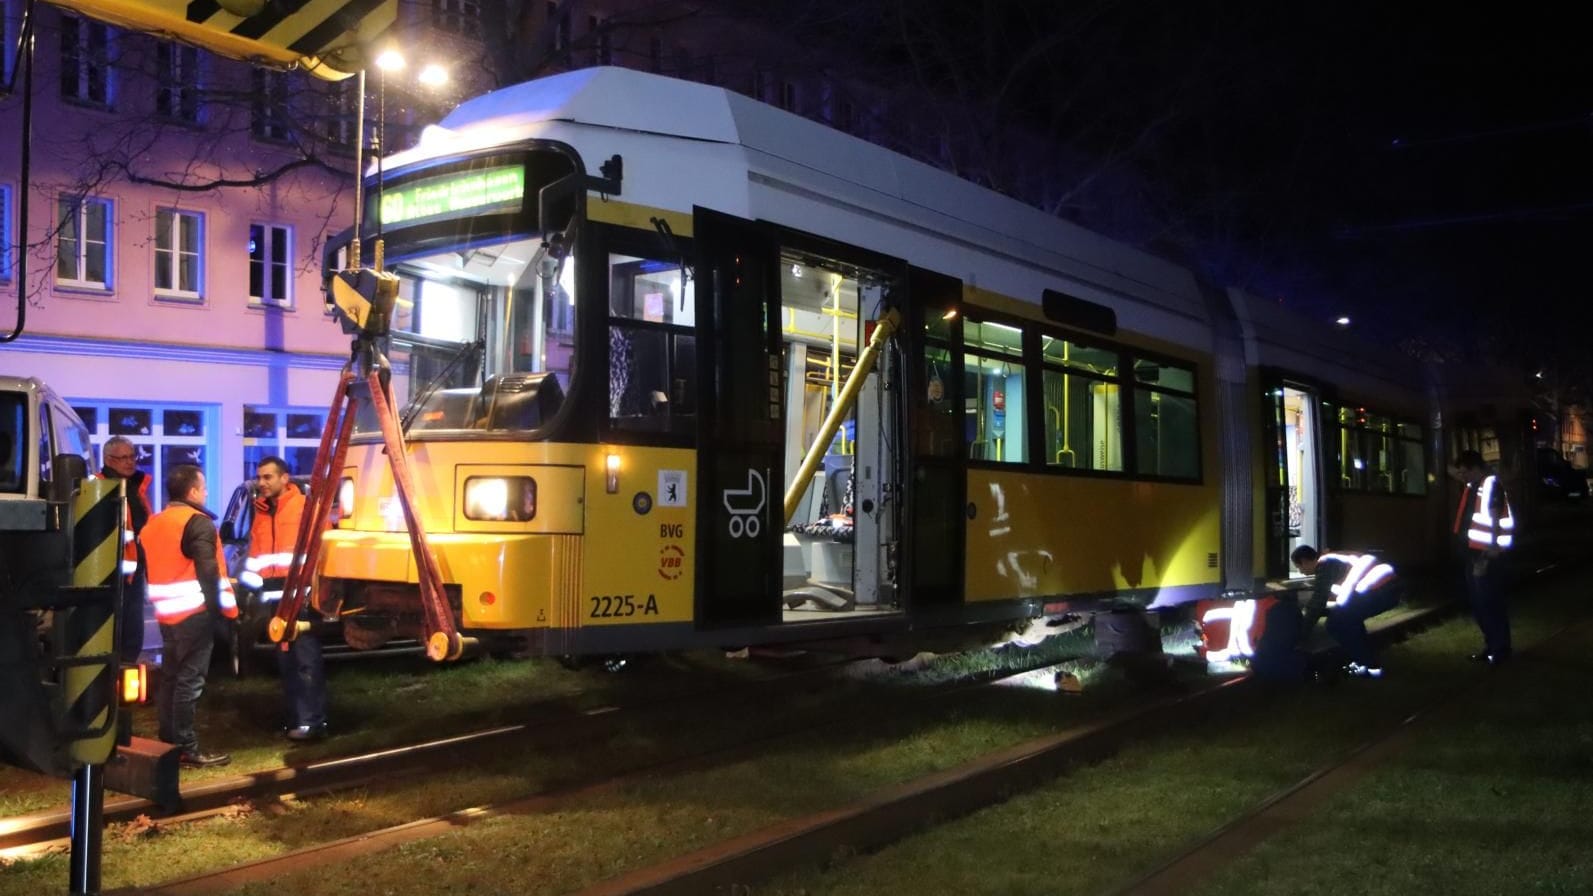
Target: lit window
(270, 255)
(82, 242)
(178, 242)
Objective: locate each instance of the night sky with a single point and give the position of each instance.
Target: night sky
(1427, 170)
(1418, 163)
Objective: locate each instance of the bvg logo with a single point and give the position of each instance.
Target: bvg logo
(671, 562)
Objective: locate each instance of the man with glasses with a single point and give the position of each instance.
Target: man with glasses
(121, 462)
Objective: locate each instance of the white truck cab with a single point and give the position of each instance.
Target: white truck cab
(36, 425)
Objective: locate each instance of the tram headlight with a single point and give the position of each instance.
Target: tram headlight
(345, 499)
(500, 498)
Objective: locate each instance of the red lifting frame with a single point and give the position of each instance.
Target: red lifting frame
(442, 638)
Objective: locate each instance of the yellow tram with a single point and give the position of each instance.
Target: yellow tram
(615, 379)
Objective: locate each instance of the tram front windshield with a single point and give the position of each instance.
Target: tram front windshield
(489, 334)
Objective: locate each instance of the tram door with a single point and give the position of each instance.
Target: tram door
(740, 511)
(1294, 488)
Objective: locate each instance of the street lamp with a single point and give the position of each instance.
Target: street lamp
(391, 60)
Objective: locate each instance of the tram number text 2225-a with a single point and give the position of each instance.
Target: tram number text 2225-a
(619, 606)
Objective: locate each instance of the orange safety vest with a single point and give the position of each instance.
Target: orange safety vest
(1486, 531)
(129, 535)
(174, 589)
(271, 538)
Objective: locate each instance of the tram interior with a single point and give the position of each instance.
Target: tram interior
(836, 546)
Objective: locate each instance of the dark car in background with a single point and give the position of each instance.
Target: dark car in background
(1558, 479)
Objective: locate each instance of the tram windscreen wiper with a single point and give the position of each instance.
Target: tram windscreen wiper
(465, 350)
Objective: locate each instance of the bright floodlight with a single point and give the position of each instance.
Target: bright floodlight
(433, 75)
(1343, 321)
(390, 61)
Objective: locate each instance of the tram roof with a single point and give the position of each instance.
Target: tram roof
(645, 103)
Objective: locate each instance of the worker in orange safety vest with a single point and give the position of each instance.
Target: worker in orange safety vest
(188, 590)
(278, 507)
(1484, 529)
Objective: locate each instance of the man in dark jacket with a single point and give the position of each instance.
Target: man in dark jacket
(121, 462)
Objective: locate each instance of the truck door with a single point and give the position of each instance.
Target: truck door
(740, 467)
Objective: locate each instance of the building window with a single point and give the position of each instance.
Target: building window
(343, 115)
(559, 21)
(270, 277)
(83, 242)
(461, 17)
(292, 434)
(163, 435)
(85, 61)
(177, 97)
(268, 106)
(5, 233)
(789, 97)
(602, 40)
(179, 241)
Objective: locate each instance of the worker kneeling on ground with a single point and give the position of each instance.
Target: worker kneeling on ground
(1349, 589)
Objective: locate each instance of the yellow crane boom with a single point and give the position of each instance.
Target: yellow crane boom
(324, 37)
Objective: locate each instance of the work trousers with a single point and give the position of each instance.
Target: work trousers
(303, 681)
(185, 658)
(130, 636)
(1346, 623)
(1486, 593)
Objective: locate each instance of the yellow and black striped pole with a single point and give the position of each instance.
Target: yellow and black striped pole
(88, 627)
(85, 637)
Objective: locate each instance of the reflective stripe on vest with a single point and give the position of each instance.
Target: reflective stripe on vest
(1482, 534)
(1365, 574)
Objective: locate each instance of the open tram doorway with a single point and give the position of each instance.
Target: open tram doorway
(840, 547)
(1295, 490)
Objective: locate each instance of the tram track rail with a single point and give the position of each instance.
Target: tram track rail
(869, 824)
(572, 722)
(560, 722)
(559, 798)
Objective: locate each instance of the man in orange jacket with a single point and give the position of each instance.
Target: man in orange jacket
(188, 587)
(278, 507)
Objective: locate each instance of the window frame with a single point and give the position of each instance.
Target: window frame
(269, 99)
(172, 236)
(6, 271)
(1035, 367)
(79, 206)
(178, 77)
(87, 65)
(263, 298)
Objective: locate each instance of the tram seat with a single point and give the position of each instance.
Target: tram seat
(519, 400)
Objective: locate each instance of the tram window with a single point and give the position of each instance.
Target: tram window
(652, 347)
(994, 424)
(993, 338)
(1083, 422)
(1410, 468)
(1167, 439)
(1166, 432)
(937, 425)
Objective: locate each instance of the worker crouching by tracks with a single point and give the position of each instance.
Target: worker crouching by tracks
(1349, 589)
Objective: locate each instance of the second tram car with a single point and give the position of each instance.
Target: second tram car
(616, 377)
